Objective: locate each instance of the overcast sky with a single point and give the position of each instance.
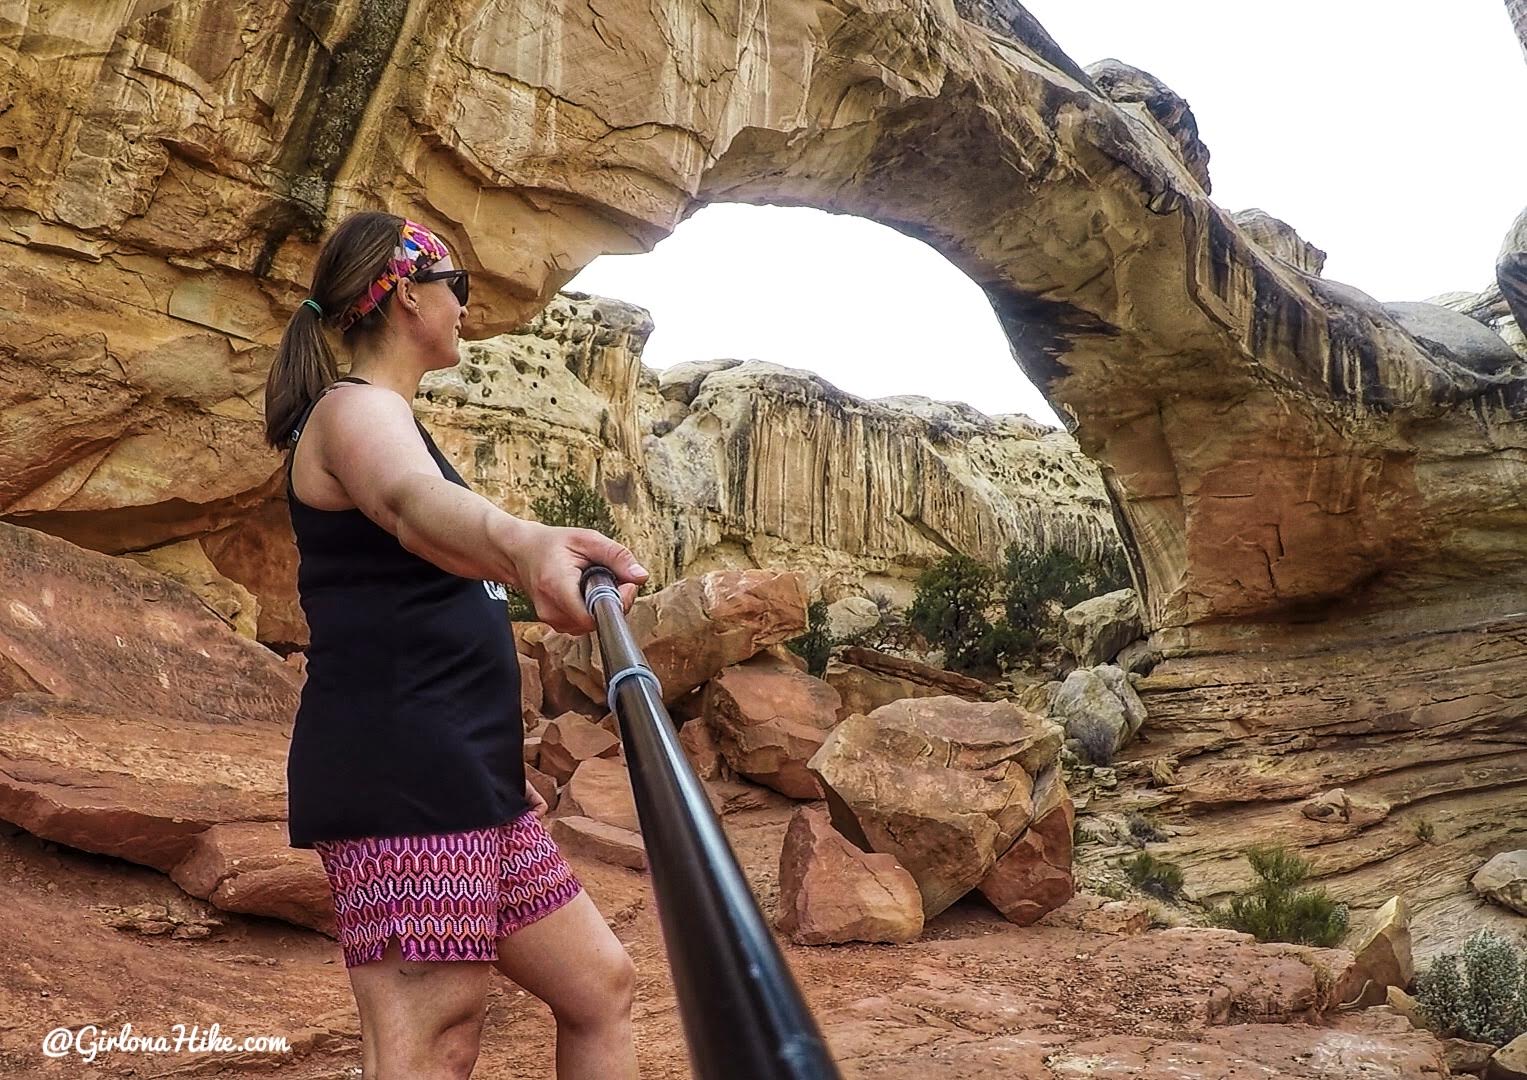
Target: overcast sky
(1385, 131)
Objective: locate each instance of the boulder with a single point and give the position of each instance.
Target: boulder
(188, 564)
(1509, 1062)
(544, 785)
(1147, 97)
(1504, 880)
(831, 892)
(1100, 709)
(1034, 876)
(1407, 1006)
(1332, 806)
(866, 679)
(851, 615)
(1382, 957)
(532, 697)
(136, 718)
(249, 866)
(1457, 337)
(598, 840)
(570, 740)
(689, 631)
(1096, 630)
(1465, 1058)
(768, 719)
(703, 750)
(601, 789)
(944, 785)
(1094, 914)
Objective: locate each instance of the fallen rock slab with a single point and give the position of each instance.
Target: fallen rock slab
(250, 867)
(1034, 876)
(601, 790)
(1504, 880)
(1382, 956)
(1509, 1062)
(598, 840)
(831, 892)
(942, 784)
(689, 631)
(769, 719)
(569, 741)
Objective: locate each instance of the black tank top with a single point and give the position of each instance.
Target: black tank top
(410, 719)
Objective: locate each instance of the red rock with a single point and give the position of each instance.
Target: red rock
(249, 866)
(259, 552)
(597, 840)
(545, 785)
(1382, 956)
(941, 783)
(831, 892)
(703, 750)
(568, 741)
(769, 718)
(1034, 876)
(532, 697)
(601, 789)
(688, 632)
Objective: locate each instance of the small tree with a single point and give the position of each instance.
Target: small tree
(1485, 1002)
(1276, 909)
(1156, 876)
(815, 645)
(950, 608)
(1038, 585)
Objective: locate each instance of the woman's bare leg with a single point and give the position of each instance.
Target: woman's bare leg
(420, 1019)
(573, 961)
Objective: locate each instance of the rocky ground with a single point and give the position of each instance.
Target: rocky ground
(975, 997)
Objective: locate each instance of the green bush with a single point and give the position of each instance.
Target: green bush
(1155, 876)
(1276, 909)
(983, 616)
(815, 645)
(950, 608)
(1486, 1001)
(1038, 585)
(572, 504)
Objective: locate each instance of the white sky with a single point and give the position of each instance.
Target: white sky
(1385, 131)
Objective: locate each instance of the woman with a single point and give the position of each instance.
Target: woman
(406, 771)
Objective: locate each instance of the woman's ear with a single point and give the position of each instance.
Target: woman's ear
(407, 296)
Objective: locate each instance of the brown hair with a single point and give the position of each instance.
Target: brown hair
(353, 256)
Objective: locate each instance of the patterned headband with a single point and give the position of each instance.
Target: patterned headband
(417, 248)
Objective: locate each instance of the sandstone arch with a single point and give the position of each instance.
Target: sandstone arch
(1279, 448)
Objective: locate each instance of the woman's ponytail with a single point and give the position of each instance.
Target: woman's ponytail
(303, 367)
(353, 256)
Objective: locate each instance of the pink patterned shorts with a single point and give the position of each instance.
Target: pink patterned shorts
(447, 896)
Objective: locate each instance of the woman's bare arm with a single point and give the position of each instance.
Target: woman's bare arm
(369, 444)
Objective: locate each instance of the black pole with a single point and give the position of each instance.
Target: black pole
(744, 1017)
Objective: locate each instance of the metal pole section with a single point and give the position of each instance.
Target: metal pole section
(744, 1018)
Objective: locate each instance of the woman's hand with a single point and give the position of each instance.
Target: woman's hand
(548, 562)
(533, 797)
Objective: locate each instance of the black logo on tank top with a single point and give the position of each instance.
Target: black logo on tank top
(496, 590)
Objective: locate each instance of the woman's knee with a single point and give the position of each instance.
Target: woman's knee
(607, 993)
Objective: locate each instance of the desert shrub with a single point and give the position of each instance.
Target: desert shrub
(815, 645)
(1143, 829)
(1155, 876)
(1277, 909)
(1486, 1001)
(572, 504)
(1038, 585)
(950, 610)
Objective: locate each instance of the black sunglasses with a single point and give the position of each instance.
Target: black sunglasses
(458, 280)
